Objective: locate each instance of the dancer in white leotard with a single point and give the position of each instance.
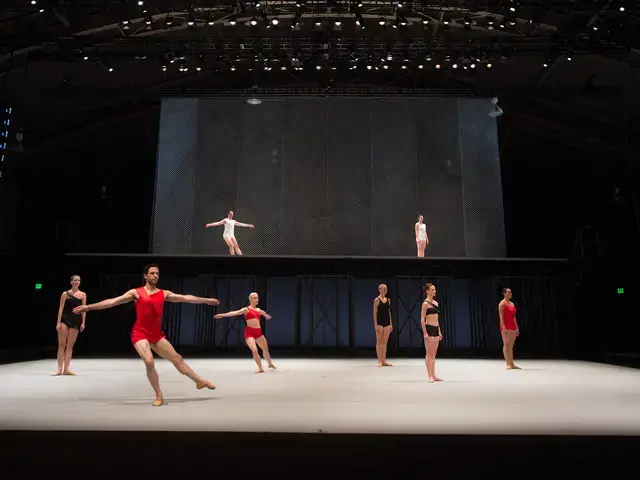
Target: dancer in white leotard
(422, 239)
(228, 234)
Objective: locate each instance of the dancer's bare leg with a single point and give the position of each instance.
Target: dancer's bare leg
(432, 350)
(511, 336)
(144, 350)
(262, 343)
(386, 331)
(63, 331)
(379, 334)
(166, 351)
(230, 245)
(251, 343)
(236, 247)
(72, 336)
(506, 352)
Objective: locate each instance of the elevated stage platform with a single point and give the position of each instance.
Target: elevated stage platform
(321, 305)
(324, 304)
(359, 267)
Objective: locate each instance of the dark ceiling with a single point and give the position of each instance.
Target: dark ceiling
(566, 68)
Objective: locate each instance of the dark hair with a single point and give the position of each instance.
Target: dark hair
(504, 290)
(427, 287)
(146, 268)
(74, 276)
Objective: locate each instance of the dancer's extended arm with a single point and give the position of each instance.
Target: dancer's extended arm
(177, 298)
(235, 313)
(130, 296)
(248, 225)
(215, 224)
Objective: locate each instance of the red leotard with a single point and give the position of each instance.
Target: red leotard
(252, 332)
(148, 324)
(509, 315)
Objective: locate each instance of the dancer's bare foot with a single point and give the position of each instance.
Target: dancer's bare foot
(431, 379)
(508, 367)
(379, 364)
(260, 370)
(515, 367)
(69, 373)
(205, 384)
(57, 374)
(158, 402)
(437, 379)
(272, 366)
(386, 364)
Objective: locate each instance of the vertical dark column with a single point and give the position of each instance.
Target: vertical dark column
(481, 180)
(175, 176)
(298, 315)
(352, 317)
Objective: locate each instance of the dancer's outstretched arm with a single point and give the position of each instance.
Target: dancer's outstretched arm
(130, 296)
(235, 313)
(248, 225)
(215, 224)
(177, 298)
(264, 314)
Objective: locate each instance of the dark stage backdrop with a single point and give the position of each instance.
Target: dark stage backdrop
(314, 312)
(338, 176)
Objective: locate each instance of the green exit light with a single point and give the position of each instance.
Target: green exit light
(620, 291)
(38, 286)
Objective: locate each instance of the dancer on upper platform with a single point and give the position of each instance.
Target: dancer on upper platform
(69, 324)
(431, 330)
(147, 334)
(382, 323)
(253, 333)
(422, 239)
(508, 327)
(229, 232)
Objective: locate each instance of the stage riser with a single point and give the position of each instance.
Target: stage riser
(311, 313)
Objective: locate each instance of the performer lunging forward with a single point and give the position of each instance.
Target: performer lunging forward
(383, 324)
(508, 327)
(147, 334)
(422, 239)
(229, 232)
(431, 330)
(253, 333)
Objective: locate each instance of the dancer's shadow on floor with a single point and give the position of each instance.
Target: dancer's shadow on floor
(167, 401)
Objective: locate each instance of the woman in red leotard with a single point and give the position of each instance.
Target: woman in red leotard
(253, 333)
(147, 334)
(508, 327)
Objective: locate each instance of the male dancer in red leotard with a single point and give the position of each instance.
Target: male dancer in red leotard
(147, 334)
(253, 333)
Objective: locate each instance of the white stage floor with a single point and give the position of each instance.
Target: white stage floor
(326, 395)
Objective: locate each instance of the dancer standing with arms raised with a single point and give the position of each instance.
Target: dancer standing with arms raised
(508, 327)
(431, 330)
(422, 239)
(253, 333)
(69, 324)
(147, 334)
(382, 323)
(229, 232)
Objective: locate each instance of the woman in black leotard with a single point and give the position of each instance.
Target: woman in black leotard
(69, 324)
(383, 324)
(431, 330)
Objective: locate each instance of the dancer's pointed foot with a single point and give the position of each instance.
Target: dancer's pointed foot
(205, 384)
